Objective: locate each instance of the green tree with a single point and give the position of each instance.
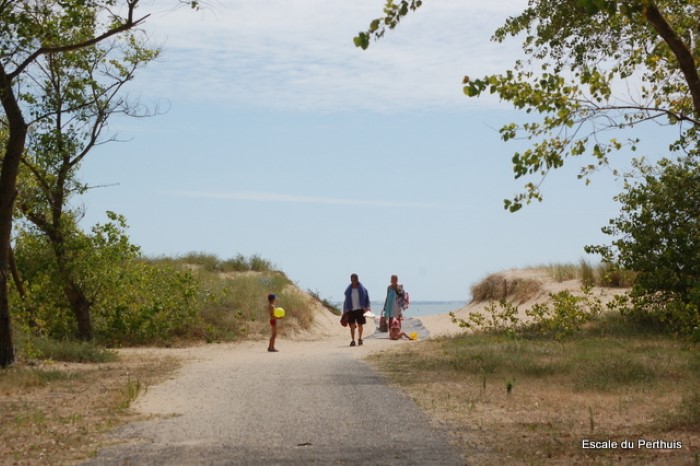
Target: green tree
(132, 300)
(81, 92)
(576, 52)
(31, 31)
(658, 236)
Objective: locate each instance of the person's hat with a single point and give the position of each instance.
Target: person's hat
(396, 324)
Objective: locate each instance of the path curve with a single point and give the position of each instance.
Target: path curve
(314, 402)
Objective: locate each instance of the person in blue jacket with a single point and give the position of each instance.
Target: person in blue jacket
(355, 305)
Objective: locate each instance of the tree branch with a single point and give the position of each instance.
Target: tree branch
(129, 24)
(685, 58)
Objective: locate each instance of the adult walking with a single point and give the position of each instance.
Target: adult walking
(355, 305)
(395, 302)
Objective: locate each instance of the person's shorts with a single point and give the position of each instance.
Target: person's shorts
(357, 317)
(273, 322)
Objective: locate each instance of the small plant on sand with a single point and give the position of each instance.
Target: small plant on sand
(133, 389)
(327, 304)
(561, 318)
(510, 383)
(496, 318)
(565, 314)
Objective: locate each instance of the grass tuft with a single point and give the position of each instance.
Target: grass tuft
(589, 274)
(212, 263)
(66, 350)
(29, 377)
(496, 287)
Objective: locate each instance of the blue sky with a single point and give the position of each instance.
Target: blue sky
(282, 139)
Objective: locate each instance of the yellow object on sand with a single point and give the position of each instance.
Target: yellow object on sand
(413, 336)
(278, 312)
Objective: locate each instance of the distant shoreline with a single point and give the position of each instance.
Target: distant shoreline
(422, 308)
(417, 303)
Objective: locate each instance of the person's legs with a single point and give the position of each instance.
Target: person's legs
(273, 336)
(352, 333)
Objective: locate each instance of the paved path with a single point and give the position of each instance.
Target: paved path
(314, 402)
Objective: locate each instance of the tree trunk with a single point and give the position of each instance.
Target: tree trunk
(81, 309)
(8, 185)
(7, 348)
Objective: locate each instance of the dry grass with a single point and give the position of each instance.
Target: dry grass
(496, 287)
(233, 305)
(512, 401)
(589, 274)
(59, 413)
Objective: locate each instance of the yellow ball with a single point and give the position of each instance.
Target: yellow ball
(413, 335)
(278, 312)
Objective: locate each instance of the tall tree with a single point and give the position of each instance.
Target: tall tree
(31, 31)
(576, 52)
(81, 91)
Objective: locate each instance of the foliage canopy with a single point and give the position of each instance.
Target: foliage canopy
(578, 52)
(657, 235)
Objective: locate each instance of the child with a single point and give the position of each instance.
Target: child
(273, 322)
(395, 332)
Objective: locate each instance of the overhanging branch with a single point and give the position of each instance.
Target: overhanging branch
(129, 24)
(685, 58)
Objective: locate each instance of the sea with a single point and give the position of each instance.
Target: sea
(424, 308)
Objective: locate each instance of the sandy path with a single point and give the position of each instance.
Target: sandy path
(314, 402)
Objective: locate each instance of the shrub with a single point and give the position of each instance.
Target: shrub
(655, 235)
(131, 300)
(564, 316)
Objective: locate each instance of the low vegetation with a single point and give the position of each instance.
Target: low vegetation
(58, 413)
(522, 395)
(233, 305)
(539, 384)
(163, 302)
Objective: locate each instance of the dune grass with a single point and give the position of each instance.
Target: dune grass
(589, 274)
(232, 299)
(234, 305)
(496, 287)
(506, 396)
(212, 263)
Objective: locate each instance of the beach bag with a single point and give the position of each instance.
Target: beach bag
(344, 319)
(383, 326)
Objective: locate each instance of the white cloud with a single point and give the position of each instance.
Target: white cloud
(299, 54)
(296, 199)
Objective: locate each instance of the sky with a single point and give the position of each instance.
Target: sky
(279, 138)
